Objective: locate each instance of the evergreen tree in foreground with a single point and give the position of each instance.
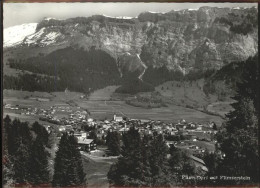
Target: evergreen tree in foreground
(42, 133)
(7, 163)
(143, 162)
(113, 143)
(26, 161)
(22, 171)
(238, 140)
(19, 142)
(180, 164)
(128, 170)
(159, 162)
(68, 168)
(39, 163)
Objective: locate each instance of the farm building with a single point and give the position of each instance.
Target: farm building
(86, 144)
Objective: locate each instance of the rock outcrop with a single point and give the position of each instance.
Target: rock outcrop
(183, 40)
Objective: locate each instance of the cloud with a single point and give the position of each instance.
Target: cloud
(19, 13)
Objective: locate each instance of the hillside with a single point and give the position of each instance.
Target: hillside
(154, 48)
(76, 70)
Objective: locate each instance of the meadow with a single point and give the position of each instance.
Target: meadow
(106, 108)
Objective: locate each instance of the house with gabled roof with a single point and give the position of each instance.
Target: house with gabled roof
(85, 144)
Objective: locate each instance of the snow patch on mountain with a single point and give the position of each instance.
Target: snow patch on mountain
(119, 17)
(50, 38)
(40, 37)
(145, 67)
(34, 37)
(49, 18)
(16, 34)
(153, 12)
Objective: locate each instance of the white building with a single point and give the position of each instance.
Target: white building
(118, 118)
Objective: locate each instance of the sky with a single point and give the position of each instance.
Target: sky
(20, 13)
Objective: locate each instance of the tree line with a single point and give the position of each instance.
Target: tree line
(91, 70)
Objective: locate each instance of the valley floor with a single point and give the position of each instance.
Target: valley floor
(101, 107)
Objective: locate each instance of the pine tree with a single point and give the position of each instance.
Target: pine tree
(238, 140)
(39, 163)
(60, 163)
(113, 143)
(6, 161)
(211, 161)
(19, 149)
(128, 169)
(41, 132)
(143, 161)
(180, 164)
(68, 168)
(159, 162)
(146, 155)
(93, 135)
(22, 170)
(27, 159)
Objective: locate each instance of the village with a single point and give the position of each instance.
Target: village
(196, 138)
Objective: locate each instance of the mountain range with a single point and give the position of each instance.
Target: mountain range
(101, 50)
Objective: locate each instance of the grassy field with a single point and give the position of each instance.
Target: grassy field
(173, 113)
(106, 108)
(101, 109)
(96, 169)
(210, 146)
(220, 107)
(103, 94)
(189, 93)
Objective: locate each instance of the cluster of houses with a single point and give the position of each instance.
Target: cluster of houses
(58, 114)
(183, 135)
(174, 134)
(23, 110)
(64, 115)
(122, 125)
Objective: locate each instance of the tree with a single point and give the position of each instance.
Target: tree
(22, 168)
(113, 143)
(25, 158)
(6, 161)
(180, 164)
(238, 139)
(215, 126)
(143, 161)
(93, 135)
(158, 162)
(211, 161)
(41, 132)
(146, 153)
(68, 168)
(19, 149)
(39, 163)
(128, 170)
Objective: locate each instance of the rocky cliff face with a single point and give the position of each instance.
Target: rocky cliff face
(180, 40)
